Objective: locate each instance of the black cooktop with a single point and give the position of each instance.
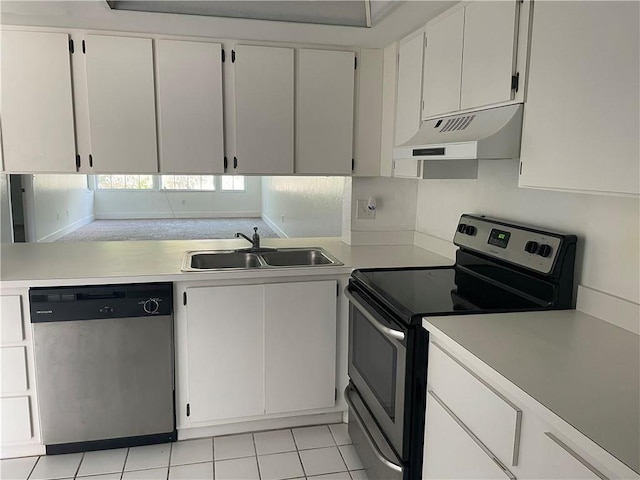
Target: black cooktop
(411, 293)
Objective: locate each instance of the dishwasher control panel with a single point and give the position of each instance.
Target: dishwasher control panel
(97, 302)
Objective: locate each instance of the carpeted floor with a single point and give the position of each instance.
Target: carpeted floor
(168, 229)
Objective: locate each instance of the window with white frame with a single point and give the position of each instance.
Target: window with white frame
(204, 183)
(232, 183)
(187, 182)
(125, 182)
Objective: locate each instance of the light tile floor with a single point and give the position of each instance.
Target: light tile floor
(319, 452)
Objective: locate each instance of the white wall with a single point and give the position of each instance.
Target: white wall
(395, 214)
(167, 204)
(607, 227)
(6, 233)
(61, 203)
(303, 206)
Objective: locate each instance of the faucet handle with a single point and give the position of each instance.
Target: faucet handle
(255, 229)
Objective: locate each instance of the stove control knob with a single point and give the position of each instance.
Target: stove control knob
(544, 250)
(470, 230)
(151, 305)
(462, 227)
(531, 247)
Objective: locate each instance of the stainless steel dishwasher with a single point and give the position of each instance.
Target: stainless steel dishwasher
(104, 365)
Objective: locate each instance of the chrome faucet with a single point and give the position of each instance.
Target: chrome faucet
(255, 240)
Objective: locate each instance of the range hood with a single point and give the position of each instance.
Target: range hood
(486, 134)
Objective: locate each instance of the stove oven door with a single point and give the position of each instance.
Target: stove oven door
(377, 366)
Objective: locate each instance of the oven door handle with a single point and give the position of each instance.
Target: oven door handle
(386, 331)
(376, 450)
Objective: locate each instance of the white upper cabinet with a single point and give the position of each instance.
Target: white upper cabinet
(581, 122)
(37, 109)
(190, 115)
(488, 62)
(122, 111)
(409, 88)
(264, 101)
(471, 56)
(442, 65)
(324, 120)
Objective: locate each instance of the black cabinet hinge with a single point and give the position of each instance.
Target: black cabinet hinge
(235, 162)
(223, 55)
(520, 168)
(71, 49)
(78, 163)
(84, 47)
(188, 410)
(353, 164)
(225, 164)
(337, 289)
(184, 298)
(233, 56)
(355, 63)
(515, 81)
(335, 394)
(91, 160)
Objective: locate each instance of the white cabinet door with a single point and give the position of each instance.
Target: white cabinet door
(324, 120)
(490, 32)
(122, 111)
(15, 413)
(369, 117)
(264, 78)
(450, 452)
(225, 349)
(37, 109)
(408, 103)
(581, 122)
(443, 65)
(190, 107)
(11, 330)
(300, 346)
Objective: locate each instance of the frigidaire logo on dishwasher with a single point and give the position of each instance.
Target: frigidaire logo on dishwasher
(44, 312)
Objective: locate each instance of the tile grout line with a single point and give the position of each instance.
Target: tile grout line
(79, 465)
(255, 449)
(124, 465)
(295, 443)
(170, 453)
(34, 467)
(213, 458)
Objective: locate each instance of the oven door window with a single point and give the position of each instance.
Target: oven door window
(375, 358)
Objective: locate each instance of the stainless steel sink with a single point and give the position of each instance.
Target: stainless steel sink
(220, 260)
(296, 257)
(199, 260)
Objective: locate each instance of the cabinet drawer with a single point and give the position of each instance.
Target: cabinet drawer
(13, 363)
(10, 319)
(16, 419)
(490, 416)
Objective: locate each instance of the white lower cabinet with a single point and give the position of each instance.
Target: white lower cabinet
(19, 424)
(450, 451)
(255, 350)
(470, 430)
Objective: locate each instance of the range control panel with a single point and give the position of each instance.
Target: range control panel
(524, 246)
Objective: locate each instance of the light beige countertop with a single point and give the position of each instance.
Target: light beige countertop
(581, 368)
(66, 263)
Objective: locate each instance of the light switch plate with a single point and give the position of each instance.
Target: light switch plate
(363, 212)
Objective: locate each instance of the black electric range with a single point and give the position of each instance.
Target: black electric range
(499, 267)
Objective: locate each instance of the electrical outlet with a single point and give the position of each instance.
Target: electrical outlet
(363, 212)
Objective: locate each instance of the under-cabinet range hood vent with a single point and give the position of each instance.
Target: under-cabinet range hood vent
(486, 134)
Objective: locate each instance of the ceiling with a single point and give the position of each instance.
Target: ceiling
(352, 13)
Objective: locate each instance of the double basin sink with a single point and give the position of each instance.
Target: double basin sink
(199, 260)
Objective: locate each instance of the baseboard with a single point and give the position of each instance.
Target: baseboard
(260, 425)
(398, 237)
(435, 245)
(15, 451)
(66, 230)
(169, 215)
(617, 311)
(274, 227)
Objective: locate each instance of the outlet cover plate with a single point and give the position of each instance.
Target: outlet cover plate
(363, 212)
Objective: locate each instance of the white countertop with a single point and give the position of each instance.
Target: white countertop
(66, 263)
(581, 368)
